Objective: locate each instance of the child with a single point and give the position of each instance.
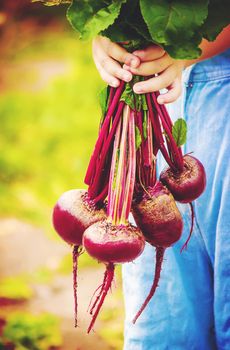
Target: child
(191, 307)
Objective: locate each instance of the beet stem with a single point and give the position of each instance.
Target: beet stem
(178, 159)
(103, 130)
(130, 177)
(165, 113)
(146, 164)
(121, 161)
(102, 195)
(159, 260)
(120, 170)
(111, 192)
(168, 121)
(185, 245)
(112, 91)
(152, 161)
(104, 291)
(93, 187)
(158, 133)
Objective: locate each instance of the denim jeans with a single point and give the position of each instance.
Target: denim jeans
(191, 307)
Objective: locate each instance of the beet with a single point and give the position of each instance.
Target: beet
(73, 213)
(158, 217)
(161, 223)
(113, 244)
(133, 129)
(188, 184)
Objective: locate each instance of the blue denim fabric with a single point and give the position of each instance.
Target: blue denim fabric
(191, 307)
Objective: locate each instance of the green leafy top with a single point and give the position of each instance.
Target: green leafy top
(90, 17)
(176, 25)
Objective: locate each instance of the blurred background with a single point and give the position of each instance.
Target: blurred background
(49, 115)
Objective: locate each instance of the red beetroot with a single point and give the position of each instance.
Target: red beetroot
(158, 217)
(188, 184)
(161, 223)
(111, 244)
(73, 213)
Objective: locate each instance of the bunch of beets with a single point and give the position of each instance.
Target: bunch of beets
(121, 179)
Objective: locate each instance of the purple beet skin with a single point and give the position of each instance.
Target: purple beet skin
(73, 213)
(158, 217)
(113, 243)
(188, 184)
(161, 223)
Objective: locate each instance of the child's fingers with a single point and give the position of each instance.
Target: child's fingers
(174, 91)
(113, 68)
(118, 53)
(157, 83)
(103, 48)
(152, 52)
(151, 67)
(108, 78)
(115, 51)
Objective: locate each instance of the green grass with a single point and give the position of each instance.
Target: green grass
(49, 116)
(15, 288)
(84, 261)
(34, 332)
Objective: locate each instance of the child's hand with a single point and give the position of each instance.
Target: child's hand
(108, 56)
(156, 61)
(153, 60)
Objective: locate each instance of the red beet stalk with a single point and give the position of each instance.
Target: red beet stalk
(115, 240)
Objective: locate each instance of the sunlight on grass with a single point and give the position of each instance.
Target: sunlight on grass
(27, 331)
(84, 261)
(49, 121)
(15, 288)
(49, 113)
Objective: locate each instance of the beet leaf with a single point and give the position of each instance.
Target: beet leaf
(90, 17)
(174, 22)
(176, 25)
(179, 132)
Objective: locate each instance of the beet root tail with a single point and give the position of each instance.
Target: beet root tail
(106, 285)
(100, 288)
(185, 245)
(77, 251)
(159, 260)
